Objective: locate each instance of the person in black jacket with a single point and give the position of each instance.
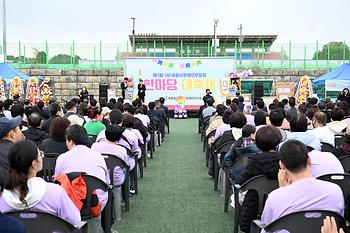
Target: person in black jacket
(344, 95)
(56, 143)
(83, 94)
(141, 90)
(267, 139)
(124, 86)
(34, 132)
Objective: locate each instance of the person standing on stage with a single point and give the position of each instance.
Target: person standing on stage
(141, 90)
(124, 86)
(83, 94)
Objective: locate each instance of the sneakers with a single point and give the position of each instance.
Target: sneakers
(148, 155)
(132, 190)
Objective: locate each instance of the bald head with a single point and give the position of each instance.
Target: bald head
(320, 118)
(34, 120)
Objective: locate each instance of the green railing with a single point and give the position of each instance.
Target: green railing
(111, 56)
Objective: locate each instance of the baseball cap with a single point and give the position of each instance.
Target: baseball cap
(106, 110)
(75, 120)
(8, 124)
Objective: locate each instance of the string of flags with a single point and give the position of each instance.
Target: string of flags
(186, 65)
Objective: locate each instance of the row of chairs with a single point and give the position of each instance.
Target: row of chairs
(37, 221)
(214, 156)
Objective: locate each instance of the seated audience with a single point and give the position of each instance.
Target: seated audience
(345, 148)
(276, 119)
(217, 120)
(266, 163)
(55, 111)
(336, 125)
(9, 134)
(80, 158)
(237, 121)
(259, 119)
(247, 110)
(94, 126)
(225, 126)
(23, 190)
(210, 109)
(128, 139)
(109, 146)
(71, 109)
(298, 189)
(128, 123)
(34, 132)
(322, 163)
(243, 146)
(298, 128)
(8, 103)
(56, 143)
(321, 131)
(141, 114)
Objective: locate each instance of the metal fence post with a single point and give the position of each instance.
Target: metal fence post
(317, 54)
(290, 54)
(47, 53)
(263, 54)
(100, 53)
(19, 51)
(94, 55)
(24, 54)
(304, 56)
(154, 48)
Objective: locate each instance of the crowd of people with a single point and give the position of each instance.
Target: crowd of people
(292, 144)
(78, 134)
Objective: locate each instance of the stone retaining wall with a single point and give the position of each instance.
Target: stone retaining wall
(68, 82)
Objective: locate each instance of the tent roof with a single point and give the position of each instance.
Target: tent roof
(8, 73)
(341, 73)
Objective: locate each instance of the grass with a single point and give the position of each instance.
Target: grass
(176, 194)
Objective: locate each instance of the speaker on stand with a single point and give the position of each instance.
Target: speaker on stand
(258, 91)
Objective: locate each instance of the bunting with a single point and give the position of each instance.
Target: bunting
(177, 65)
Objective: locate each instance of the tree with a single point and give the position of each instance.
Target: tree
(40, 56)
(64, 59)
(335, 50)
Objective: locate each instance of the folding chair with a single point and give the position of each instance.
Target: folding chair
(49, 164)
(113, 161)
(204, 126)
(218, 155)
(93, 183)
(241, 161)
(38, 221)
(262, 186)
(303, 222)
(345, 162)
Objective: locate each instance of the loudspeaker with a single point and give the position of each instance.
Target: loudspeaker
(103, 92)
(258, 89)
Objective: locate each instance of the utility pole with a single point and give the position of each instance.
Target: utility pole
(4, 29)
(216, 21)
(133, 36)
(240, 43)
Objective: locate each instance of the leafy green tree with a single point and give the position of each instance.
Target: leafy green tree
(64, 59)
(336, 51)
(40, 56)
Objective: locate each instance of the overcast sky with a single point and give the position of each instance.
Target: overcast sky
(109, 20)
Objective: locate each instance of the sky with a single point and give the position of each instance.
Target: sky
(89, 21)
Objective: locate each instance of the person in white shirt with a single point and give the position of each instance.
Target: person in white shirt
(321, 131)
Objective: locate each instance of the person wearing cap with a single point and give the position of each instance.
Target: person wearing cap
(141, 90)
(9, 134)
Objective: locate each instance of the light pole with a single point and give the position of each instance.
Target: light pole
(4, 29)
(240, 39)
(216, 21)
(133, 36)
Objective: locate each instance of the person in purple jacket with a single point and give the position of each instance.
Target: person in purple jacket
(129, 139)
(298, 189)
(109, 146)
(34, 193)
(81, 158)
